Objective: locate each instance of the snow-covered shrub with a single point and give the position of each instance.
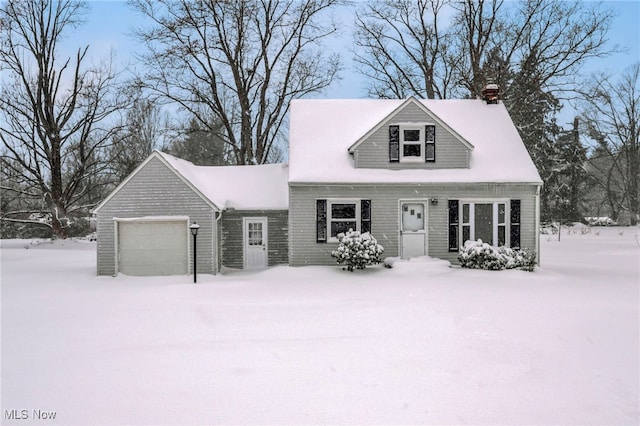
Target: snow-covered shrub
(479, 255)
(524, 259)
(357, 250)
(600, 221)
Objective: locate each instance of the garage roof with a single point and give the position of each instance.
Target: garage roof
(261, 187)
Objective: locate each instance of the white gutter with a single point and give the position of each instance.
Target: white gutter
(216, 241)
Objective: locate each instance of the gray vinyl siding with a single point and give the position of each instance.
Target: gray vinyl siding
(374, 151)
(155, 191)
(231, 236)
(385, 199)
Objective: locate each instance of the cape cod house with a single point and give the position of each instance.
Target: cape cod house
(422, 176)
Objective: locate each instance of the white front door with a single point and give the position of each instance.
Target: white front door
(255, 242)
(413, 235)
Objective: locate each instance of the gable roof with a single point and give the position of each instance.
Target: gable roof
(262, 187)
(323, 131)
(403, 105)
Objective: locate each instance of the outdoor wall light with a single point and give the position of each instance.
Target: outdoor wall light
(434, 201)
(194, 231)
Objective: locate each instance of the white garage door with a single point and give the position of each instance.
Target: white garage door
(152, 248)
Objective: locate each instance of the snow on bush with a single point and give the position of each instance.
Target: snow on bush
(600, 221)
(357, 250)
(479, 255)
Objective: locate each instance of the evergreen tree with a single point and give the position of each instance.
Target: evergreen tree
(201, 146)
(567, 179)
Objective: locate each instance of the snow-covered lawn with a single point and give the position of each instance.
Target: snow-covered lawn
(421, 343)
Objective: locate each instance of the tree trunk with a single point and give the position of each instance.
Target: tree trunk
(58, 221)
(575, 178)
(633, 169)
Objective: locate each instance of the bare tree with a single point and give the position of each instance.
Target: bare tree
(612, 118)
(240, 62)
(52, 113)
(404, 48)
(532, 48)
(143, 129)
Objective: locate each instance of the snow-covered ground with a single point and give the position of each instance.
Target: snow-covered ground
(421, 343)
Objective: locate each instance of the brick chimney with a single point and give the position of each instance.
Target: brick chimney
(491, 93)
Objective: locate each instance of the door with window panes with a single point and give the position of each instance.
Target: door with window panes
(255, 242)
(486, 221)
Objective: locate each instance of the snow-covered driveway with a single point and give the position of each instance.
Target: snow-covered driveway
(421, 343)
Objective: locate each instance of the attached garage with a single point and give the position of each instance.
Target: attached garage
(143, 225)
(153, 246)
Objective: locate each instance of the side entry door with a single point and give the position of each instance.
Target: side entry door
(255, 242)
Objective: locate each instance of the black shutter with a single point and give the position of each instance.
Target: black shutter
(515, 224)
(365, 216)
(321, 221)
(430, 143)
(453, 224)
(394, 144)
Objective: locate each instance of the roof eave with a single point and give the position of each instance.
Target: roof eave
(361, 183)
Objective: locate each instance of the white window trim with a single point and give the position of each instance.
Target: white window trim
(471, 224)
(358, 218)
(420, 128)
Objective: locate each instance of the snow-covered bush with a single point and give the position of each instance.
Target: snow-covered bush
(600, 221)
(357, 250)
(479, 255)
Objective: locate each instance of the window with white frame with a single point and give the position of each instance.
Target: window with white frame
(342, 216)
(336, 216)
(412, 144)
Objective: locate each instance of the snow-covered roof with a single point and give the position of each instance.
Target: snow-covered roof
(321, 132)
(262, 187)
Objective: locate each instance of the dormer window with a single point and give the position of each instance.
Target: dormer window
(411, 143)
